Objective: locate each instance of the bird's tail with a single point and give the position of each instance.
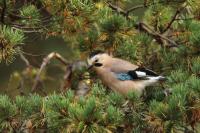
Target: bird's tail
(156, 78)
(150, 80)
(142, 72)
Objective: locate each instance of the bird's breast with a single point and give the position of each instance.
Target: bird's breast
(110, 80)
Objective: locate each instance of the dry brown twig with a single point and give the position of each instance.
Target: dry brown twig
(178, 11)
(159, 37)
(122, 11)
(46, 60)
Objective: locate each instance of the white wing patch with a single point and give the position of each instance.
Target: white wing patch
(141, 74)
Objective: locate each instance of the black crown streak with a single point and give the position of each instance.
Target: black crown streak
(96, 52)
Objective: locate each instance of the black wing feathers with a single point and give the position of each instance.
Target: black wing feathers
(134, 75)
(147, 71)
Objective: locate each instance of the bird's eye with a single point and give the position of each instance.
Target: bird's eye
(96, 60)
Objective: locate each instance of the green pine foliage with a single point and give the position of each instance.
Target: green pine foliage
(103, 111)
(10, 38)
(32, 15)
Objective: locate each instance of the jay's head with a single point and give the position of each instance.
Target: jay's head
(97, 59)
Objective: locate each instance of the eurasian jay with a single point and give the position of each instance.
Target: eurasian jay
(120, 75)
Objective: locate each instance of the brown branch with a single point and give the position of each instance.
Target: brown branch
(28, 66)
(174, 18)
(134, 8)
(124, 12)
(118, 9)
(171, 22)
(46, 60)
(24, 59)
(159, 37)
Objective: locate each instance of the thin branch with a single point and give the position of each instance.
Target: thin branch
(134, 8)
(61, 59)
(25, 60)
(30, 54)
(118, 9)
(46, 60)
(124, 12)
(174, 18)
(157, 36)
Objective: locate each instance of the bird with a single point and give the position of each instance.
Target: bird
(120, 75)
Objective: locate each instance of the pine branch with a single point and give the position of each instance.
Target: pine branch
(134, 8)
(146, 28)
(124, 12)
(118, 9)
(178, 11)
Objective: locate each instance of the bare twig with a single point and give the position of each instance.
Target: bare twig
(24, 59)
(30, 54)
(157, 36)
(124, 12)
(118, 9)
(134, 8)
(28, 66)
(44, 63)
(174, 17)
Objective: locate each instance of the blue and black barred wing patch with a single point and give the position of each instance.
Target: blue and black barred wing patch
(137, 74)
(124, 76)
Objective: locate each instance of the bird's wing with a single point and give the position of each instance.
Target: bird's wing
(125, 70)
(137, 74)
(119, 65)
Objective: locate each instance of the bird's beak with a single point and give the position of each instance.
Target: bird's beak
(90, 67)
(90, 64)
